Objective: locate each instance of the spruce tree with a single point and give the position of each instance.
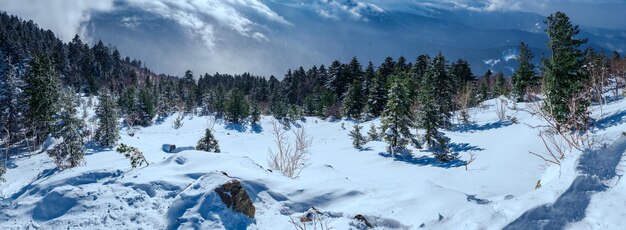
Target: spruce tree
(353, 102)
(397, 119)
(42, 97)
(523, 76)
(564, 73)
(358, 140)
(70, 151)
(208, 143)
(107, 133)
(429, 114)
(441, 88)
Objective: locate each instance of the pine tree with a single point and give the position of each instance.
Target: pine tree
(208, 143)
(42, 97)
(107, 133)
(564, 74)
(237, 106)
(523, 76)
(70, 151)
(397, 118)
(358, 140)
(353, 102)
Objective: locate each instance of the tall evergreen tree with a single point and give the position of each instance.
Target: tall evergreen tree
(42, 97)
(70, 151)
(429, 113)
(377, 96)
(237, 106)
(107, 133)
(353, 102)
(564, 74)
(397, 119)
(523, 76)
(443, 87)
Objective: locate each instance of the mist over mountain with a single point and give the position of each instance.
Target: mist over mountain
(270, 36)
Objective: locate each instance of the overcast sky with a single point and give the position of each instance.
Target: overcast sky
(67, 17)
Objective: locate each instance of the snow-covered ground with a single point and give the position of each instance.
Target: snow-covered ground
(176, 190)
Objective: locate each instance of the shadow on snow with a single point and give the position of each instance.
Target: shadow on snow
(473, 127)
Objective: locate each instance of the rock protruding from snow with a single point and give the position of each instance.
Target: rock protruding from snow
(363, 220)
(201, 205)
(235, 197)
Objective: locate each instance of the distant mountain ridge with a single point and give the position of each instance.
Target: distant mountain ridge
(318, 31)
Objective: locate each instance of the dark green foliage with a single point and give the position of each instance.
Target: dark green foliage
(237, 107)
(564, 75)
(353, 102)
(358, 140)
(42, 97)
(501, 86)
(135, 156)
(255, 114)
(69, 152)
(523, 76)
(397, 119)
(107, 133)
(208, 143)
(431, 114)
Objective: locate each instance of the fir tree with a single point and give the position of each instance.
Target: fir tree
(523, 76)
(70, 151)
(353, 102)
(208, 143)
(107, 133)
(358, 140)
(397, 118)
(564, 75)
(42, 97)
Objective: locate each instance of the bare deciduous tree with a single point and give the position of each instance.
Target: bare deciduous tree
(463, 102)
(287, 158)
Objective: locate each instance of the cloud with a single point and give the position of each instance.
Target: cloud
(200, 17)
(355, 9)
(65, 17)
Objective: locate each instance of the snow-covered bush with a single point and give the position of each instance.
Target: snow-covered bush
(136, 157)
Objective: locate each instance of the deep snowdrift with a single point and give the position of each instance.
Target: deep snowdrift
(406, 192)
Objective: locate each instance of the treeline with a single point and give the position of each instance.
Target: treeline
(41, 76)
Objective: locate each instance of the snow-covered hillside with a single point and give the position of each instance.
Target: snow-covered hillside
(176, 190)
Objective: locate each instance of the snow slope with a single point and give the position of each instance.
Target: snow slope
(406, 192)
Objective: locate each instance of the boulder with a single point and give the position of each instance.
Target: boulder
(236, 198)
